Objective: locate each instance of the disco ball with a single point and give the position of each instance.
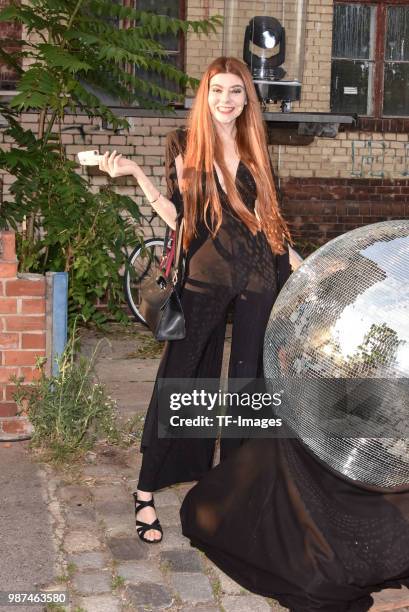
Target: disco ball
(338, 340)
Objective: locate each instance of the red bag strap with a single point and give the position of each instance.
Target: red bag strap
(170, 256)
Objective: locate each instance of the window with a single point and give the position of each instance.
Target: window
(174, 45)
(370, 58)
(8, 76)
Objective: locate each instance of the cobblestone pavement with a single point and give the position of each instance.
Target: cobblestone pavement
(107, 568)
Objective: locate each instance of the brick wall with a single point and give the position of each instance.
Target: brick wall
(319, 209)
(22, 328)
(317, 58)
(200, 50)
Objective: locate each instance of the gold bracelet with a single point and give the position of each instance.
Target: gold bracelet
(156, 199)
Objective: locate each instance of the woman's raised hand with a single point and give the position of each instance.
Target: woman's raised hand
(116, 165)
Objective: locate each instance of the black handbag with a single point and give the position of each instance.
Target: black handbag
(160, 303)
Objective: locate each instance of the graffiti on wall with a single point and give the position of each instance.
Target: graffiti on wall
(379, 158)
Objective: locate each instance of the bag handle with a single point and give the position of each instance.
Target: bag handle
(179, 253)
(169, 257)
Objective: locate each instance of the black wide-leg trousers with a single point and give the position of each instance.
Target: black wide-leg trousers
(199, 355)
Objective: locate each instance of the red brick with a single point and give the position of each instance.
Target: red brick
(8, 305)
(9, 341)
(8, 409)
(6, 373)
(397, 208)
(33, 341)
(22, 358)
(26, 287)
(10, 391)
(30, 374)
(8, 246)
(365, 209)
(379, 209)
(1, 288)
(8, 269)
(15, 425)
(25, 323)
(33, 306)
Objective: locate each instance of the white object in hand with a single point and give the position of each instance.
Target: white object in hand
(89, 158)
(295, 258)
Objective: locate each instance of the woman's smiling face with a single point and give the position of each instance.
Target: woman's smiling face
(227, 97)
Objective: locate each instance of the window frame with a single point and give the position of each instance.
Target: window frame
(379, 55)
(180, 54)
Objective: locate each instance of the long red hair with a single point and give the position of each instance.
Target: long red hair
(204, 148)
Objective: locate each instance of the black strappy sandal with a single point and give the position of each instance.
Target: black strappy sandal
(141, 527)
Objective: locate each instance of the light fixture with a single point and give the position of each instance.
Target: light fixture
(264, 53)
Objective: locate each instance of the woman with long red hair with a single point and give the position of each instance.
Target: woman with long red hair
(220, 181)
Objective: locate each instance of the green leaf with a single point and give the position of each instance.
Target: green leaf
(87, 38)
(59, 58)
(24, 14)
(9, 13)
(40, 79)
(11, 60)
(27, 99)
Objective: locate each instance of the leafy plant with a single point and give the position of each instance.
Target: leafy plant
(74, 55)
(77, 231)
(76, 50)
(69, 411)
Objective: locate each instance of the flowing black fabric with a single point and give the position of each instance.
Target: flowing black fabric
(281, 524)
(236, 267)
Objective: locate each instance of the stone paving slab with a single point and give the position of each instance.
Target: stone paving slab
(169, 516)
(78, 495)
(88, 560)
(113, 507)
(192, 587)
(90, 582)
(116, 528)
(103, 471)
(139, 571)
(199, 608)
(173, 538)
(81, 518)
(181, 560)
(102, 493)
(127, 549)
(100, 603)
(167, 497)
(245, 603)
(81, 541)
(149, 596)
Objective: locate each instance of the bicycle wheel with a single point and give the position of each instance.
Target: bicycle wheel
(142, 260)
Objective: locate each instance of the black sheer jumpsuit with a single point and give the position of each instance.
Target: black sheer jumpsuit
(235, 267)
